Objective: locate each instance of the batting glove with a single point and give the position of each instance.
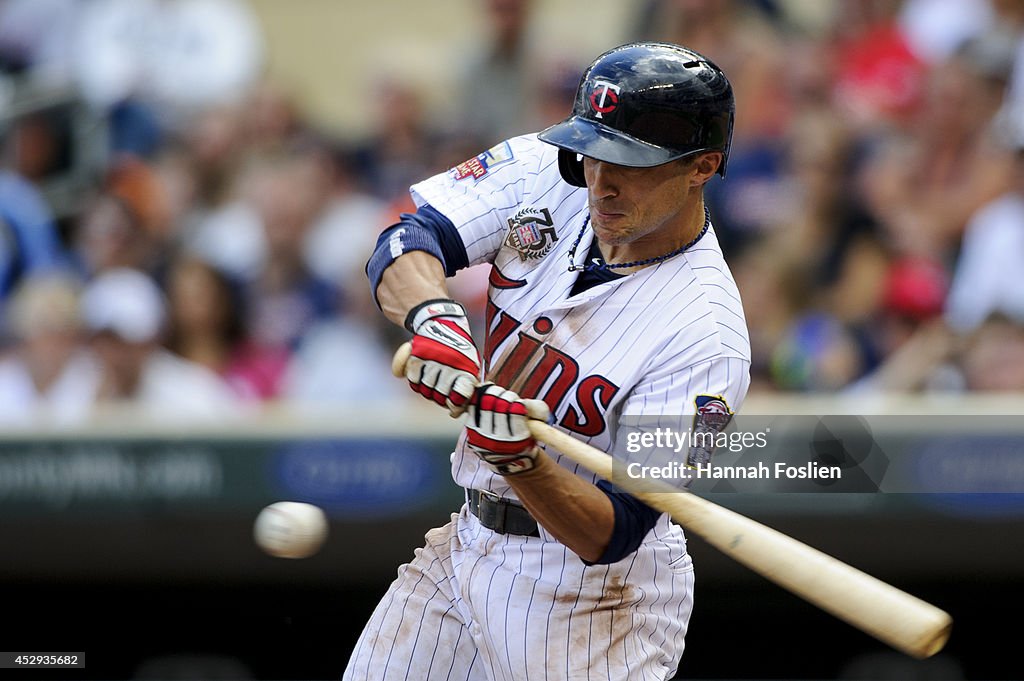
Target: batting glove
(497, 430)
(444, 365)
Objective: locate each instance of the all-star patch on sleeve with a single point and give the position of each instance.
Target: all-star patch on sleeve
(476, 168)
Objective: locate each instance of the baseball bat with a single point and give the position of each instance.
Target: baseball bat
(894, 617)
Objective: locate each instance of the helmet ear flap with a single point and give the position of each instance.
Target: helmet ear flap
(726, 150)
(570, 165)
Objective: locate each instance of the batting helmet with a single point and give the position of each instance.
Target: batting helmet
(642, 105)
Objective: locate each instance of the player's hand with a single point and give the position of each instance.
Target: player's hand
(497, 430)
(444, 365)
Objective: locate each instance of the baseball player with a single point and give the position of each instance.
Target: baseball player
(608, 297)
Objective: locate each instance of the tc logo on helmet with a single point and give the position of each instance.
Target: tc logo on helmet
(604, 98)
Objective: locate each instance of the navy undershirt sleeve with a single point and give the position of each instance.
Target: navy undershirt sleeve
(425, 230)
(443, 230)
(633, 520)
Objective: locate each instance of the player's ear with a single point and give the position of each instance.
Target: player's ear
(705, 166)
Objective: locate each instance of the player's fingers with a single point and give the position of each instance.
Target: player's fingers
(455, 408)
(486, 399)
(431, 374)
(430, 393)
(484, 420)
(537, 409)
(414, 369)
(445, 378)
(508, 411)
(461, 394)
(501, 405)
(463, 388)
(473, 410)
(423, 376)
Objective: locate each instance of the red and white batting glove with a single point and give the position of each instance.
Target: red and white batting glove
(497, 430)
(444, 365)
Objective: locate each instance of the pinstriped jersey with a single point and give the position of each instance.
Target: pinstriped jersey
(651, 343)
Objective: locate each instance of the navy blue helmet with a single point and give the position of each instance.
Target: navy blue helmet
(642, 105)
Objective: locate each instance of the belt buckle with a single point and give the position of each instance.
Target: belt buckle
(497, 509)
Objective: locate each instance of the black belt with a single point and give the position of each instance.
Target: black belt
(504, 516)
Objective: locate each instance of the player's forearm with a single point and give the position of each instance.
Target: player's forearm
(576, 512)
(414, 277)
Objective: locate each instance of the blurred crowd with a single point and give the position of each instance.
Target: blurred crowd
(176, 233)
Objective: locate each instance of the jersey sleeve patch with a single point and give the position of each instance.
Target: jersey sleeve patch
(531, 233)
(713, 408)
(481, 164)
(713, 415)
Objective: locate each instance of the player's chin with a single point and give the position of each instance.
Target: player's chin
(614, 230)
(614, 238)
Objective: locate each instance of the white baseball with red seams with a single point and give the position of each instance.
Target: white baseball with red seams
(476, 604)
(290, 529)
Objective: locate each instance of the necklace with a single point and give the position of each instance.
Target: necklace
(602, 265)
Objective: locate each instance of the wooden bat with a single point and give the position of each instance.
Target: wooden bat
(894, 617)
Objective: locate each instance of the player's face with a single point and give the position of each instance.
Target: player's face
(631, 205)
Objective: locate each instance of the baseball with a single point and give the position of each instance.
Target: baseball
(290, 529)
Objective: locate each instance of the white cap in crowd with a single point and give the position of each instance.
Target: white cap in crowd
(126, 302)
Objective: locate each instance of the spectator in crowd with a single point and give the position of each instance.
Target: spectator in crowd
(286, 298)
(222, 224)
(914, 292)
(124, 312)
(1010, 21)
(271, 118)
(935, 29)
(497, 87)
(48, 378)
(922, 362)
(817, 354)
(403, 146)
(775, 290)
(341, 357)
(126, 223)
(343, 361)
(206, 327)
(345, 226)
(557, 83)
(914, 346)
(879, 80)
(36, 38)
(154, 63)
(993, 359)
(989, 274)
(935, 359)
(946, 175)
(29, 241)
